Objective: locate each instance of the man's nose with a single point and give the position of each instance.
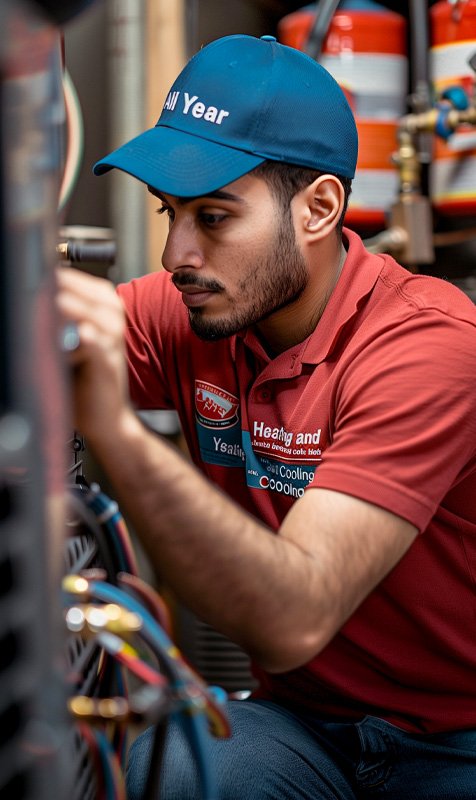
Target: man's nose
(181, 249)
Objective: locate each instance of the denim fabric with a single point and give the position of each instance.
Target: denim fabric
(274, 755)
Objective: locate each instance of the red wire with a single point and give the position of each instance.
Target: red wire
(141, 669)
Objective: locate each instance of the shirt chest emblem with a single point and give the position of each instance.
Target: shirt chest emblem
(215, 407)
(217, 423)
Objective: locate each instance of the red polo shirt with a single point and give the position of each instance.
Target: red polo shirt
(378, 402)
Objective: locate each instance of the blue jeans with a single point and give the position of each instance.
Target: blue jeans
(275, 755)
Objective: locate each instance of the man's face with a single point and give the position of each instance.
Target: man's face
(233, 255)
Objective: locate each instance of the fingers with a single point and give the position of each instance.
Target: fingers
(92, 336)
(91, 311)
(80, 295)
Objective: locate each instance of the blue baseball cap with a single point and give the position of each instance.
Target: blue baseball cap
(238, 102)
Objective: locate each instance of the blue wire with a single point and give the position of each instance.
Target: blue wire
(195, 728)
(99, 502)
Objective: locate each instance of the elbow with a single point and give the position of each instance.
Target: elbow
(283, 654)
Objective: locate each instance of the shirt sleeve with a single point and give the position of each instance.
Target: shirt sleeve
(405, 417)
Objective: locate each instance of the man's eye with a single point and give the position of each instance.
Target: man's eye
(212, 219)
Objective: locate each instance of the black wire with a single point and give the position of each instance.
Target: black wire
(156, 760)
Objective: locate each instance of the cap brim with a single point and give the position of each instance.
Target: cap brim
(177, 163)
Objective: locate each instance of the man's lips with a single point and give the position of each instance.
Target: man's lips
(194, 296)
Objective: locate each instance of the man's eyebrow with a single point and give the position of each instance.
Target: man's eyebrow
(219, 194)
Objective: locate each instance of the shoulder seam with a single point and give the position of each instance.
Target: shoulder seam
(419, 306)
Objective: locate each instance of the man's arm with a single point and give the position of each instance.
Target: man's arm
(281, 597)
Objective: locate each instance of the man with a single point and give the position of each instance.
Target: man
(330, 394)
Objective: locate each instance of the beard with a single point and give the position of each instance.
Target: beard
(268, 284)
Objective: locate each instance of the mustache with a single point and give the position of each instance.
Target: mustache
(189, 279)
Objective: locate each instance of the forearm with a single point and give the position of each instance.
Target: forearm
(221, 562)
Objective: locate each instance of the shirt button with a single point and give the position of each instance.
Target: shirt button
(264, 395)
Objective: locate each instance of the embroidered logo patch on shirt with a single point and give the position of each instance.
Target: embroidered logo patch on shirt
(215, 407)
(219, 434)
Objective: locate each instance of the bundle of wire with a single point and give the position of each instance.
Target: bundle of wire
(110, 518)
(123, 619)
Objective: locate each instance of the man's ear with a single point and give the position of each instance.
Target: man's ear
(320, 206)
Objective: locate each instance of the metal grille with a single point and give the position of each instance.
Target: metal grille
(219, 661)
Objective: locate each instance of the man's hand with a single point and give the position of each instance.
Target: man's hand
(100, 383)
